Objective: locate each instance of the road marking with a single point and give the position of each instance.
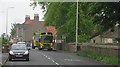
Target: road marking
(50, 59)
(71, 60)
(45, 56)
(56, 63)
(53, 61)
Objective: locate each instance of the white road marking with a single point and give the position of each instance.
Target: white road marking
(56, 63)
(53, 61)
(71, 60)
(46, 56)
(50, 59)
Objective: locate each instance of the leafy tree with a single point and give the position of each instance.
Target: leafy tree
(86, 25)
(92, 16)
(106, 14)
(0, 41)
(13, 30)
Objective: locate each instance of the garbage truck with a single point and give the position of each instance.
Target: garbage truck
(35, 41)
(45, 41)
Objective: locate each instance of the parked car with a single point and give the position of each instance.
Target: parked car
(29, 46)
(21, 43)
(18, 51)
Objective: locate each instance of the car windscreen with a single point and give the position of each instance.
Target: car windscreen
(18, 47)
(21, 43)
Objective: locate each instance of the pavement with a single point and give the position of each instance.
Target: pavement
(3, 57)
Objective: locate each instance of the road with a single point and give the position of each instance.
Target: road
(39, 57)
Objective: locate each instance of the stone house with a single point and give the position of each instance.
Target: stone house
(106, 37)
(26, 30)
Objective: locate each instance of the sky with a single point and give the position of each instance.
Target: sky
(17, 13)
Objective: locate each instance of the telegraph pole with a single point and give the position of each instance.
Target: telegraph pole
(76, 27)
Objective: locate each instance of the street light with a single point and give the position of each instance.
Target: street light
(76, 27)
(7, 19)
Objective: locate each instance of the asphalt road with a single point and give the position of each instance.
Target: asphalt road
(39, 57)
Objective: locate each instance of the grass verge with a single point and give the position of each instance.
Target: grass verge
(108, 59)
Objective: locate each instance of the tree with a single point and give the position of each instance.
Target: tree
(62, 15)
(86, 25)
(106, 14)
(4, 39)
(13, 30)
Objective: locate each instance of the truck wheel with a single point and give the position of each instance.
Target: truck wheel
(40, 48)
(50, 49)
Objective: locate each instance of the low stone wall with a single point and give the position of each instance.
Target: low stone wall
(103, 49)
(99, 48)
(5, 49)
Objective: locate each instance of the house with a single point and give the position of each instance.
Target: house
(26, 30)
(106, 37)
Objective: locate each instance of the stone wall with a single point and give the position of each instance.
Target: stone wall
(110, 49)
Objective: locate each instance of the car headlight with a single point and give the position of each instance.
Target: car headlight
(26, 52)
(11, 53)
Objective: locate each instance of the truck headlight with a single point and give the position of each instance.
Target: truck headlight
(26, 53)
(11, 53)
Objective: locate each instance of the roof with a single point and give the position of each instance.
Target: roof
(41, 22)
(96, 34)
(31, 21)
(28, 22)
(49, 28)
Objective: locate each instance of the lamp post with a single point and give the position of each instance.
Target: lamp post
(76, 27)
(7, 20)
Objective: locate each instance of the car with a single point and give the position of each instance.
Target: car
(29, 46)
(18, 51)
(21, 43)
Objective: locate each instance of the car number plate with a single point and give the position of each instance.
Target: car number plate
(19, 55)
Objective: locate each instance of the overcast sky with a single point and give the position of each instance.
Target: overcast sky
(16, 14)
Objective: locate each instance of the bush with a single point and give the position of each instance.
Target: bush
(4, 41)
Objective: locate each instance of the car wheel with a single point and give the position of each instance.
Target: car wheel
(27, 59)
(10, 59)
(33, 47)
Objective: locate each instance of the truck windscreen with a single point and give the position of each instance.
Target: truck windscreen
(47, 39)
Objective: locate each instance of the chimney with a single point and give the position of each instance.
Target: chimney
(27, 17)
(36, 17)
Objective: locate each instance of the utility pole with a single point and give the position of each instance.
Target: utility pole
(7, 20)
(76, 27)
